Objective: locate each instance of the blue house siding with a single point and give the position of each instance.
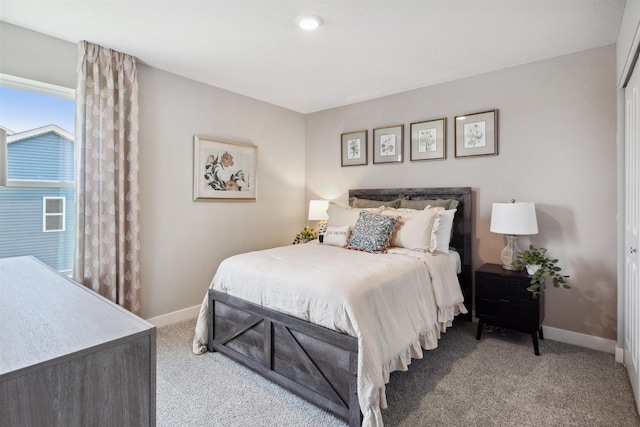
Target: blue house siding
(21, 226)
(45, 157)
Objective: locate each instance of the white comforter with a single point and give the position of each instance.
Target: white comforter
(395, 304)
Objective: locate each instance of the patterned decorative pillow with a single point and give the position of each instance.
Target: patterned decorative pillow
(372, 233)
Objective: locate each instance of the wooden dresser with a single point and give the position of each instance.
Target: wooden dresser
(69, 357)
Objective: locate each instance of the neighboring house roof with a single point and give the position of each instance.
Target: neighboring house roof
(44, 154)
(7, 130)
(14, 137)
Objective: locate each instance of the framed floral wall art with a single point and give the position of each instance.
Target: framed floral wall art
(388, 144)
(476, 134)
(354, 148)
(429, 140)
(224, 170)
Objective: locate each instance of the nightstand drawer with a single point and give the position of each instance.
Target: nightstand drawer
(526, 315)
(494, 287)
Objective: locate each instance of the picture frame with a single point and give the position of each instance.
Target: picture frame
(428, 140)
(354, 148)
(224, 170)
(476, 134)
(388, 144)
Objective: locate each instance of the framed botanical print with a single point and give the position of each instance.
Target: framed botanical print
(428, 140)
(354, 148)
(224, 170)
(388, 144)
(476, 134)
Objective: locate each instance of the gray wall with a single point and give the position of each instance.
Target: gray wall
(557, 148)
(184, 241)
(31, 55)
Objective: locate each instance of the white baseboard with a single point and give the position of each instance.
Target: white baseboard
(176, 316)
(583, 340)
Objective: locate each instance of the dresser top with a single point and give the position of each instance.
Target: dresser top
(45, 315)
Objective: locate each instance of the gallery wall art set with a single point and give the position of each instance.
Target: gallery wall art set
(475, 134)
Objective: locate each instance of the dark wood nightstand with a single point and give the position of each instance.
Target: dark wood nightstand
(502, 300)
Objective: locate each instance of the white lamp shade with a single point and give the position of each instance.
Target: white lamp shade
(517, 218)
(318, 210)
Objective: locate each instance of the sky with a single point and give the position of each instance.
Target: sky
(21, 110)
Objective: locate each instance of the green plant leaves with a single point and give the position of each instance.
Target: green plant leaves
(548, 269)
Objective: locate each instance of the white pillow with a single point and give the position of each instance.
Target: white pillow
(337, 236)
(341, 216)
(443, 233)
(417, 228)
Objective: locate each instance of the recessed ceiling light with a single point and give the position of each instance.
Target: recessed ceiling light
(308, 22)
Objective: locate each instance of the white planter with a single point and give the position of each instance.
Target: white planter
(531, 269)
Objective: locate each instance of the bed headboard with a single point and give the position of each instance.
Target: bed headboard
(461, 239)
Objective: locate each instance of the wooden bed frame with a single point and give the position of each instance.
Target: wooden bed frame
(314, 362)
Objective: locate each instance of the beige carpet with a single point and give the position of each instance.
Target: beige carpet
(494, 382)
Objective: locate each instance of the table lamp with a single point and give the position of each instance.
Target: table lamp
(318, 210)
(513, 219)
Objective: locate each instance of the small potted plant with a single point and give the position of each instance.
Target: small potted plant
(306, 235)
(540, 267)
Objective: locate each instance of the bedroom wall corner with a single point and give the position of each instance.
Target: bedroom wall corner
(557, 148)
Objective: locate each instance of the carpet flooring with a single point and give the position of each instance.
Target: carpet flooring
(497, 381)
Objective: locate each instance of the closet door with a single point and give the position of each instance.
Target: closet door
(632, 233)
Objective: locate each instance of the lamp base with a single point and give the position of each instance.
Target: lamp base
(510, 253)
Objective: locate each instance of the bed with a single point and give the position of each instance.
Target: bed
(332, 359)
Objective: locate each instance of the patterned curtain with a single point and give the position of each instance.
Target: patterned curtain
(107, 214)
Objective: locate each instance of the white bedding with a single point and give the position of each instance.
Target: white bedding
(455, 259)
(395, 304)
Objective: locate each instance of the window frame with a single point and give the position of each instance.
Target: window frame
(59, 258)
(20, 83)
(43, 88)
(46, 214)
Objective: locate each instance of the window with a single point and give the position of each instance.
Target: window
(53, 214)
(37, 200)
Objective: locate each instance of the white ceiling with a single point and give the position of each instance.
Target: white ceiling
(363, 50)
